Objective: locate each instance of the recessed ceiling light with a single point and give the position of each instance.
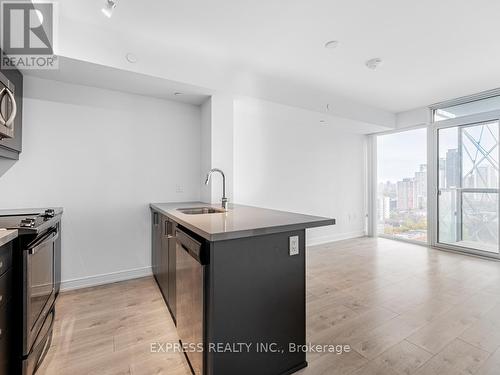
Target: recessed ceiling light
(332, 44)
(109, 7)
(131, 58)
(373, 64)
(177, 93)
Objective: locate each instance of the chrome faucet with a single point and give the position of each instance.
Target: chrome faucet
(209, 174)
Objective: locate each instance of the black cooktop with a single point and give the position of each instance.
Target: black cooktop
(29, 220)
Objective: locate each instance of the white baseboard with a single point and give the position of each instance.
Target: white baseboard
(113, 277)
(106, 278)
(334, 237)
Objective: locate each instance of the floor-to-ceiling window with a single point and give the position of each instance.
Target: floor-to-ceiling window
(446, 194)
(468, 177)
(402, 185)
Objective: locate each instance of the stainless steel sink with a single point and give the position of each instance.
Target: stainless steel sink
(200, 210)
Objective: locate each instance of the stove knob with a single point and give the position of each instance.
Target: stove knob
(27, 223)
(49, 213)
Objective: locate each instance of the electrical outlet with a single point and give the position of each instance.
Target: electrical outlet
(179, 189)
(294, 245)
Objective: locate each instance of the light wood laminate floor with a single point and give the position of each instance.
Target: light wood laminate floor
(403, 309)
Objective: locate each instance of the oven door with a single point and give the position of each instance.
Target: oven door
(39, 285)
(40, 347)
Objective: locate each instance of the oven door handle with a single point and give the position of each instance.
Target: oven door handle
(50, 237)
(10, 121)
(3, 120)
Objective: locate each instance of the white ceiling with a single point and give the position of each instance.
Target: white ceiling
(432, 50)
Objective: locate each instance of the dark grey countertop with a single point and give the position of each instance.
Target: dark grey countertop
(7, 235)
(239, 220)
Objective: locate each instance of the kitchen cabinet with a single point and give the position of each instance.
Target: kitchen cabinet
(163, 258)
(11, 147)
(171, 274)
(156, 244)
(5, 307)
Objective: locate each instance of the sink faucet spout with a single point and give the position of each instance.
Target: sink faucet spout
(207, 181)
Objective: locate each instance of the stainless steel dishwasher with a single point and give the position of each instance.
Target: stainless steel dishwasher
(190, 285)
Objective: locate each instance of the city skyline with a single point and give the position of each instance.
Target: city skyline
(402, 203)
(399, 153)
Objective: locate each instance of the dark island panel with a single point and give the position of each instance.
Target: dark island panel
(255, 295)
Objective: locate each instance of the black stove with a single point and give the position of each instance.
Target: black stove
(30, 220)
(36, 274)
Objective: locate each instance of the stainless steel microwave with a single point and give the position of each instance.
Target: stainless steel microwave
(8, 107)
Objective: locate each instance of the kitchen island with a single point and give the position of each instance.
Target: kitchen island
(234, 282)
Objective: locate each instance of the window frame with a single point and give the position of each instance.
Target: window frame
(433, 179)
(463, 100)
(432, 170)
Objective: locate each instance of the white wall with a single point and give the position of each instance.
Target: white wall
(103, 156)
(286, 159)
(206, 150)
(217, 147)
(414, 117)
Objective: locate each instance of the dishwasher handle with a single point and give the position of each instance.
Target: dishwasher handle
(192, 246)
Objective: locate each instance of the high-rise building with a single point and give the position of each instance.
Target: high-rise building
(406, 194)
(390, 189)
(484, 176)
(420, 190)
(442, 172)
(384, 207)
(452, 168)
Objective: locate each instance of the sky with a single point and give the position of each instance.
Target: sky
(399, 155)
